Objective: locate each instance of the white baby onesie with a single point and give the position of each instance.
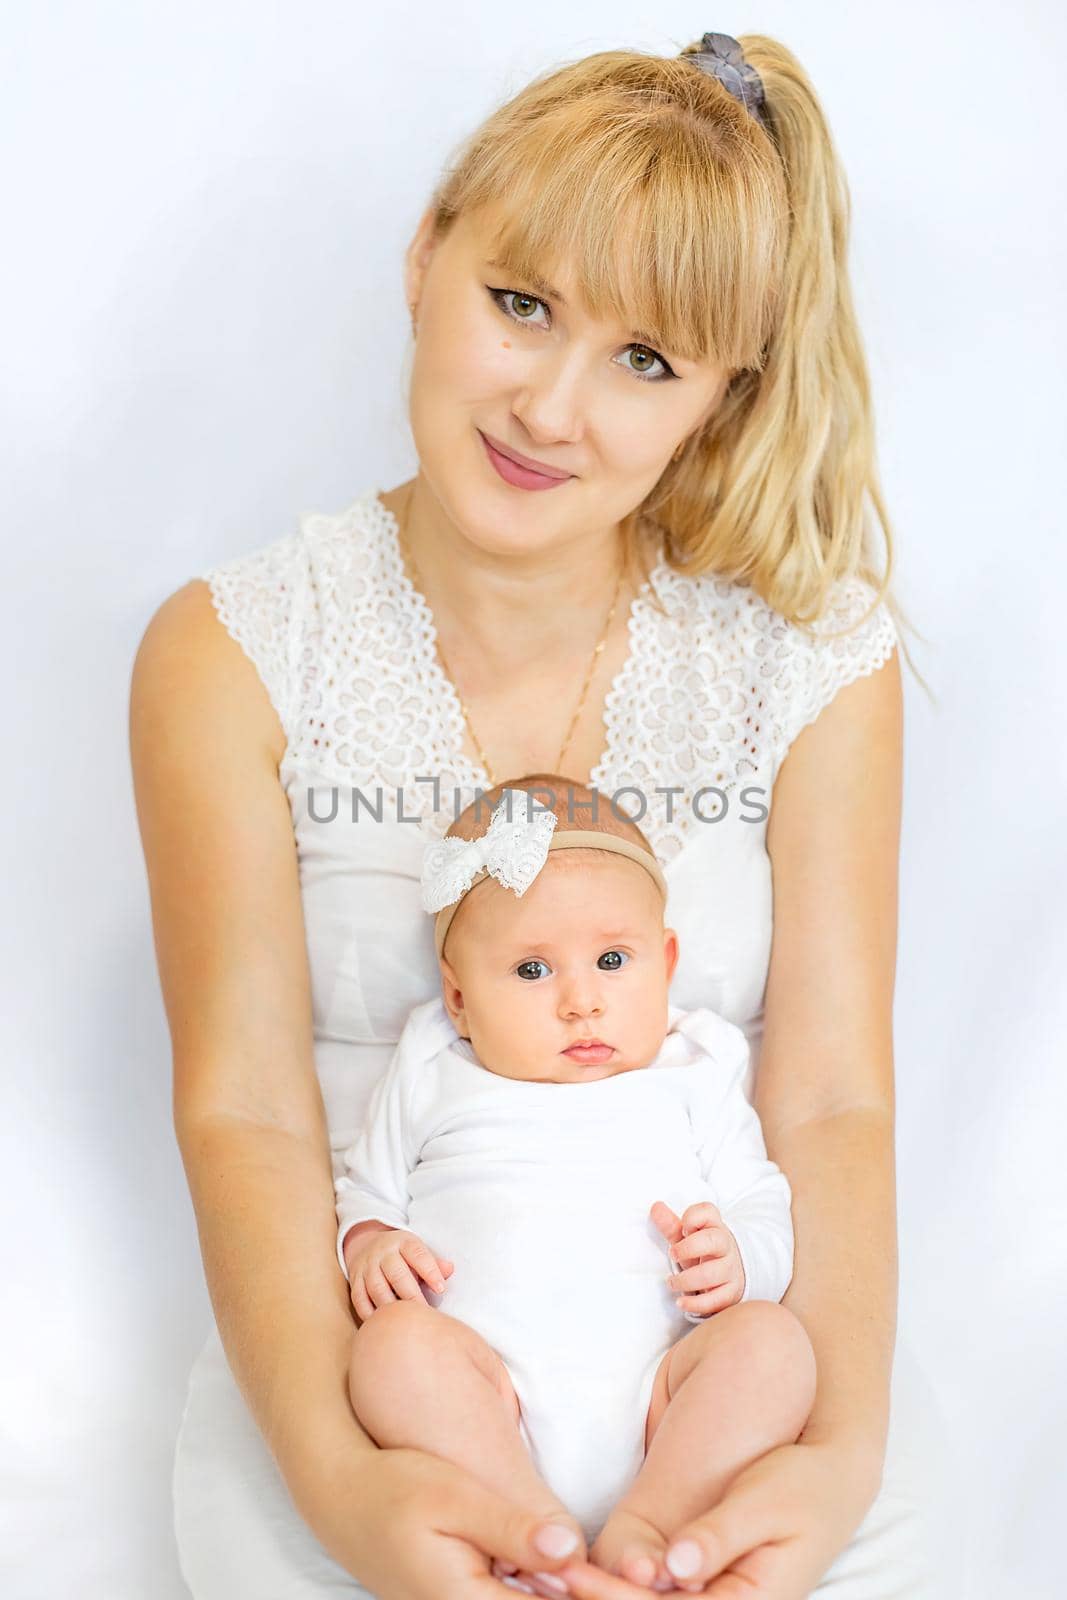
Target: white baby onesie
(540, 1193)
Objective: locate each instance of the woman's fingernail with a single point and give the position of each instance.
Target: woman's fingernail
(684, 1559)
(553, 1539)
(550, 1581)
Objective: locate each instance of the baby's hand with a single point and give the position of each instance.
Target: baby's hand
(712, 1275)
(382, 1266)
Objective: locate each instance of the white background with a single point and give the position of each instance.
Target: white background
(204, 209)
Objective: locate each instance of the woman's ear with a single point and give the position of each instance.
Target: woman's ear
(417, 258)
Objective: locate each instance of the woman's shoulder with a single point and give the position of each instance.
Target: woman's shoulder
(276, 599)
(318, 541)
(735, 609)
(806, 666)
(782, 672)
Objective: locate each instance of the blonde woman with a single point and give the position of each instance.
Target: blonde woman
(636, 551)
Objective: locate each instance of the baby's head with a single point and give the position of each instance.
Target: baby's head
(581, 954)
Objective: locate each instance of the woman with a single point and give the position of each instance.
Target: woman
(634, 278)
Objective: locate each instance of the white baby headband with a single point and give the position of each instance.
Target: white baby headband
(513, 850)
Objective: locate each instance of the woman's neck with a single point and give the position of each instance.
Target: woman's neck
(513, 606)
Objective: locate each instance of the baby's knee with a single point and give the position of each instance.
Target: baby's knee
(777, 1342)
(395, 1339)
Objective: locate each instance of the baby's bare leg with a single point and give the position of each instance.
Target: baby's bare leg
(735, 1387)
(421, 1379)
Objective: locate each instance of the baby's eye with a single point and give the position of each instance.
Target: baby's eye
(612, 960)
(523, 969)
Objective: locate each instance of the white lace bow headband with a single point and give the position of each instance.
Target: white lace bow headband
(513, 850)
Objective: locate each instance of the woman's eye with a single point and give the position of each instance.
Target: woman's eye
(612, 960)
(523, 970)
(502, 297)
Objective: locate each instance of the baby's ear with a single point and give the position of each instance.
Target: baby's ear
(452, 995)
(670, 951)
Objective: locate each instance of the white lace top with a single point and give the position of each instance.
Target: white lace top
(696, 724)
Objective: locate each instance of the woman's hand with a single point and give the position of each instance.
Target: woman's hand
(772, 1536)
(417, 1527)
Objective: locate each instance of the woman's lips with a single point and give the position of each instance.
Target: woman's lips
(589, 1054)
(518, 476)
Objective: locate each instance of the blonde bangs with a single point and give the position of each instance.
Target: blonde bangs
(670, 224)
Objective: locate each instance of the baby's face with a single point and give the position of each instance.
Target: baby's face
(582, 955)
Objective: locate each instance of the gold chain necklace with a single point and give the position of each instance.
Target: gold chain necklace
(593, 659)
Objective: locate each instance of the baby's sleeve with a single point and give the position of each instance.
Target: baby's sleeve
(374, 1184)
(750, 1190)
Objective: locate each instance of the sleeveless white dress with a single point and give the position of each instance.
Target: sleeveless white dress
(714, 689)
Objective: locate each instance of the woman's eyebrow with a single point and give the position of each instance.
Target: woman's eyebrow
(544, 288)
(539, 283)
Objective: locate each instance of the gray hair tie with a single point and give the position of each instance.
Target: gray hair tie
(722, 57)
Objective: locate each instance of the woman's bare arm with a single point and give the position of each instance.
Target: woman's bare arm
(221, 860)
(228, 918)
(824, 1087)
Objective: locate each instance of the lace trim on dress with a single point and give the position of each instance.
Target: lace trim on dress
(807, 672)
(260, 600)
(712, 692)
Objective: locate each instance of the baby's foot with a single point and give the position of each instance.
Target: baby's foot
(632, 1547)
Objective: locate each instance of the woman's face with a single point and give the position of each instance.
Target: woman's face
(538, 376)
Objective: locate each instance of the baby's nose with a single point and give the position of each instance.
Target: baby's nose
(582, 997)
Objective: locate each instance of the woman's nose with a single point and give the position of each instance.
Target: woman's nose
(553, 400)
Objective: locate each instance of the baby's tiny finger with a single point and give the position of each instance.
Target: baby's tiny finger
(696, 1280)
(707, 1242)
(377, 1286)
(383, 1285)
(664, 1219)
(361, 1301)
(402, 1279)
(424, 1262)
(705, 1304)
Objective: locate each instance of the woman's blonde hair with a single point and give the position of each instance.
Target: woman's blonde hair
(739, 256)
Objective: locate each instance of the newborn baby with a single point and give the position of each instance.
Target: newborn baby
(563, 1235)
